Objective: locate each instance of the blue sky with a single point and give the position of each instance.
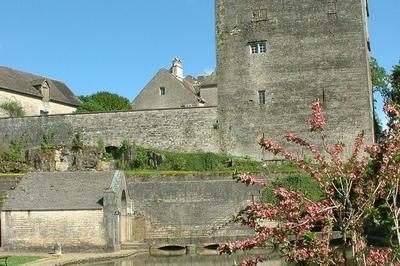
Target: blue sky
(118, 46)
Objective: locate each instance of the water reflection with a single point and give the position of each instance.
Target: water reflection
(195, 260)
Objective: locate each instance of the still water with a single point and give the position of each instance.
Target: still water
(189, 260)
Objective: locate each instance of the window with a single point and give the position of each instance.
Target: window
(44, 112)
(262, 96)
(258, 47)
(262, 47)
(162, 91)
(254, 48)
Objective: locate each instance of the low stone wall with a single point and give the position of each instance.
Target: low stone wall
(184, 129)
(41, 230)
(187, 208)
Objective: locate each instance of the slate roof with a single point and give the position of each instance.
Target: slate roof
(59, 191)
(207, 81)
(23, 83)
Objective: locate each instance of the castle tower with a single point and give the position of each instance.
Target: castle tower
(275, 57)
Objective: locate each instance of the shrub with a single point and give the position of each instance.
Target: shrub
(351, 188)
(77, 143)
(141, 160)
(12, 108)
(47, 141)
(14, 152)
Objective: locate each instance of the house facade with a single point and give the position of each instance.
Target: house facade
(169, 88)
(79, 210)
(37, 95)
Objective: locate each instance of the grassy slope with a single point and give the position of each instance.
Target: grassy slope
(20, 260)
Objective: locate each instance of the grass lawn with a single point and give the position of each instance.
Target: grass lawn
(19, 260)
(12, 174)
(146, 172)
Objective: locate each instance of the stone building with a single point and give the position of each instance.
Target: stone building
(171, 89)
(37, 95)
(80, 210)
(275, 57)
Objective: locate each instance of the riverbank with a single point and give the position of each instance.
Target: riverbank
(75, 258)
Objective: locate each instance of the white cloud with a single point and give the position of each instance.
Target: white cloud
(207, 71)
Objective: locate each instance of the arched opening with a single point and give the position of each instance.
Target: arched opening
(172, 248)
(124, 218)
(212, 246)
(114, 151)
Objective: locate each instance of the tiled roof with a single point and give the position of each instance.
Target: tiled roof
(24, 83)
(210, 80)
(59, 191)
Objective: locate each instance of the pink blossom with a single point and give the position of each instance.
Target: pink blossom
(249, 179)
(373, 150)
(318, 121)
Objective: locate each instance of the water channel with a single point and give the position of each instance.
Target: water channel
(188, 260)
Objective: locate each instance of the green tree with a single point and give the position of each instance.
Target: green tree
(103, 102)
(380, 84)
(380, 79)
(12, 108)
(395, 82)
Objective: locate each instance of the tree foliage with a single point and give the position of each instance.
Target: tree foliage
(380, 84)
(13, 108)
(353, 186)
(395, 82)
(380, 79)
(103, 102)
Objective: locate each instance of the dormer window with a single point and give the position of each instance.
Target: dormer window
(162, 91)
(258, 47)
(43, 87)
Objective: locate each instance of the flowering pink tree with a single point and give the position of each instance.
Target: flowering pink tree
(352, 184)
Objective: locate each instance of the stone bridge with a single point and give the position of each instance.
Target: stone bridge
(188, 210)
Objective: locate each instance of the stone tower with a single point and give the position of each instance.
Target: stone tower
(275, 57)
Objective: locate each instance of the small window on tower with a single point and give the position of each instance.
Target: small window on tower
(262, 47)
(254, 48)
(262, 96)
(258, 47)
(162, 91)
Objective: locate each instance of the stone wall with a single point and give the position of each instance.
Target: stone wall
(42, 229)
(185, 129)
(187, 208)
(209, 95)
(315, 50)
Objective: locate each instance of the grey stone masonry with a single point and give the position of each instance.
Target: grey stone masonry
(185, 129)
(303, 50)
(188, 207)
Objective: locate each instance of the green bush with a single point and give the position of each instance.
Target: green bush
(300, 183)
(77, 143)
(14, 153)
(141, 160)
(12, 108)
(47, 141)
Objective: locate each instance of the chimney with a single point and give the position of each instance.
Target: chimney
(177, 68)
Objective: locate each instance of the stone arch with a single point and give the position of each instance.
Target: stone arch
(124, 217)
